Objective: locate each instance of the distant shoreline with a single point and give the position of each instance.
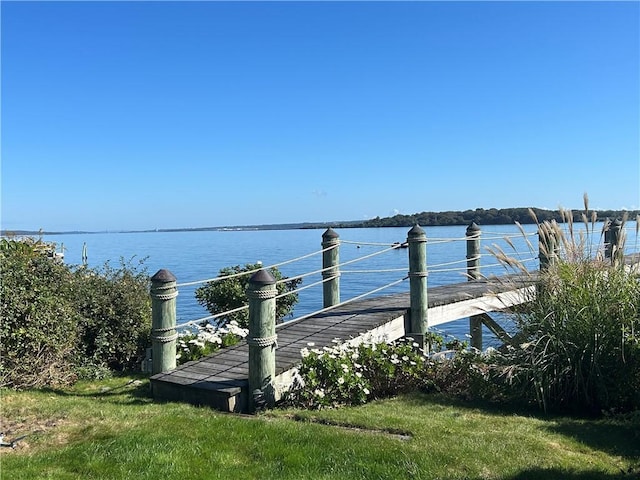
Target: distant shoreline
(492, 216)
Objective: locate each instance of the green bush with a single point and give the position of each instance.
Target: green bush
(38, 332)
(224, 295)
(59, 322)
(348, 374)
(115, 310)
(206, 339)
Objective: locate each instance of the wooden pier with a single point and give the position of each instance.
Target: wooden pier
(221, 380)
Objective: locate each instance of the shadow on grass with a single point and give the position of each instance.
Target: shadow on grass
(135, 391)
(554, 473)
(616, 435)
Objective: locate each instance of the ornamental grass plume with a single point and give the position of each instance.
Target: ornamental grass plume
(579, 334)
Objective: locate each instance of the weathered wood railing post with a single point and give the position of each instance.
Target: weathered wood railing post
(473, 273)
(418, 311)
(330, 269)
(613, 242)
(163, 321)
(261, 339)
(547, 246)
(607, 237)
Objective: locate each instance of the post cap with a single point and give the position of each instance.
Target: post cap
(330, 233)
(164, 276)
(416, 231)
(262, 277)
(473, 229)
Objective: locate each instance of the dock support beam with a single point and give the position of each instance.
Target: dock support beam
(473, 273)
(261, 339)
(418, 322)
(163, 321)
(330, 269)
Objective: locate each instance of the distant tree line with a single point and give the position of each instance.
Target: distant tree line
(481, 216)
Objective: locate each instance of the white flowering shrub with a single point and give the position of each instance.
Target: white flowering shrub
(345, 374)
(206, 339)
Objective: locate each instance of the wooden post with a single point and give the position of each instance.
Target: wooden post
(547, 246)
(262, 338)
(163, 321)
(473, 273)
(418, 322)
(330, 269)
(607, 238)
(616, 247)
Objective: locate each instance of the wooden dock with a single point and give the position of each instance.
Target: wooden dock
(221, 380)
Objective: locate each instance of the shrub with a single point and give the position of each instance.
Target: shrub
(348, 374)
(206, 339)
(38, 331)
(115, 310)
(59, 323)
(226, 294)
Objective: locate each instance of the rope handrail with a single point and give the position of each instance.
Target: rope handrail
(444, 264)
(510, 234)
(345, 302)
(440, 270)
(373, 244)
(240, 274)
(314, 284)
(382, 270)
(212, 317)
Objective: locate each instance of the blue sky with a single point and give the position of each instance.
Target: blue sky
(137, 115)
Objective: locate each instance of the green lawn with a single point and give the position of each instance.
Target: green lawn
(89, 432)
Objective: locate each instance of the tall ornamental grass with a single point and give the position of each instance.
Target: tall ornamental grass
(581, 348)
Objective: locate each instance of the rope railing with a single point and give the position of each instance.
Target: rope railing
(380, 270)
(198, 321)
(434, 268)
(248, 272)
(345, 302)
(396, 245)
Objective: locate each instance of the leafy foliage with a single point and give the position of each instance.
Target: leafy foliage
(348, 374)
(115, 310)
(219, 296)
(193, 345)
(38, 331)
(59, 323)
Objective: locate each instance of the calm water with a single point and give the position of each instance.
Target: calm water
(193, 256)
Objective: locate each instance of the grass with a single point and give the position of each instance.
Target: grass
(112, 430)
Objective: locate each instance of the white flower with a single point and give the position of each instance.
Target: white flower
(311, 344)
(345, 367)
(405, 358)
(366, 391)
(318, 392)
(341, 380)
(358, 374)
(304, 352)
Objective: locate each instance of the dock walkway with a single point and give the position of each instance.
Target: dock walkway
(221, 379)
